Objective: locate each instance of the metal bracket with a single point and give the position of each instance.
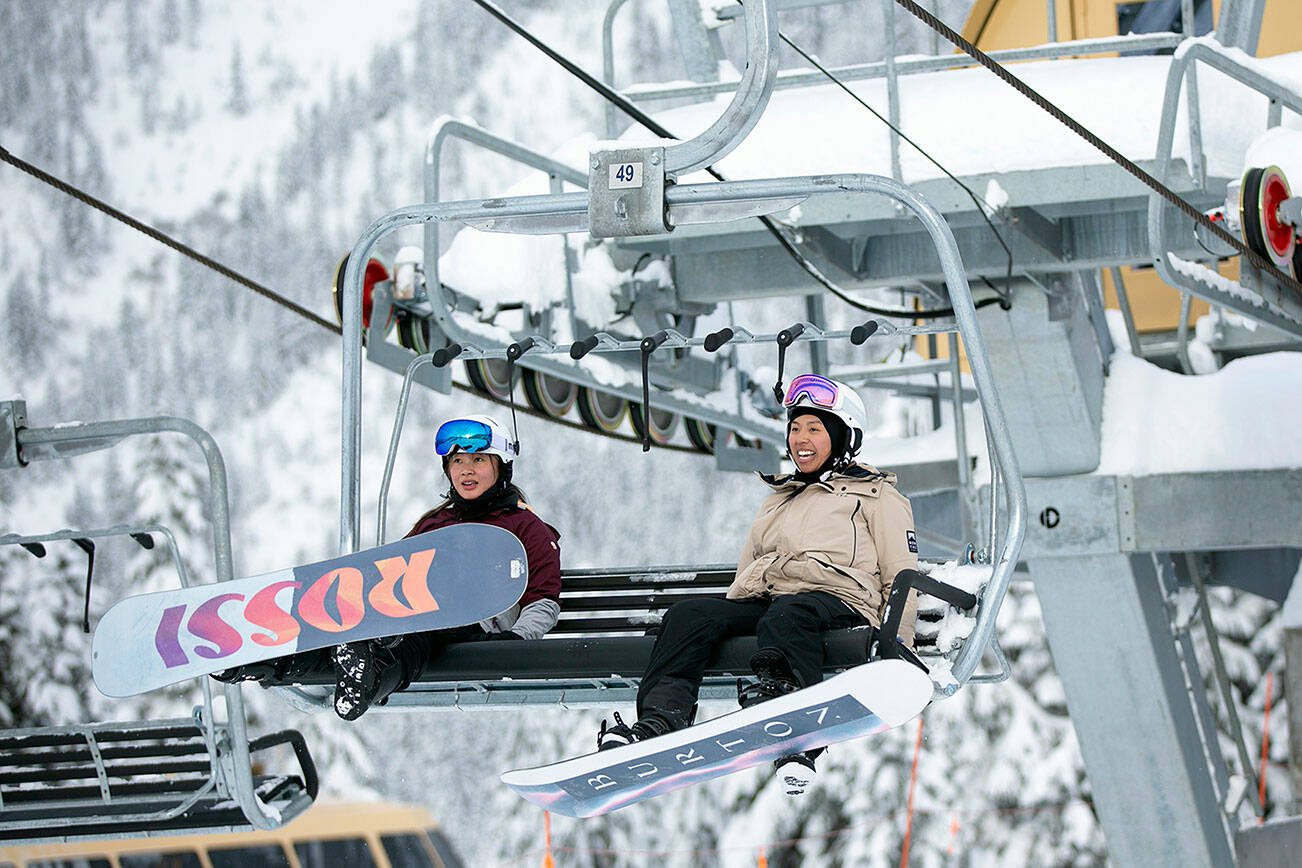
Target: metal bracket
(1126, 513)
(1290, 211)
(13, 416)
(626, 193)
(1061, 295)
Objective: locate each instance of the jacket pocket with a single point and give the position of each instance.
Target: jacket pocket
(750, 581)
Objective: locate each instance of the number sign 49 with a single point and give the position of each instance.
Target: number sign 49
(624, 176)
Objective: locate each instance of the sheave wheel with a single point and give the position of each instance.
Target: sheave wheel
(550, 395)
(1260, 195)
(490, 377)
(701, 434)
(413, 333)
(375, 272)
(601, 410)
(663, 423)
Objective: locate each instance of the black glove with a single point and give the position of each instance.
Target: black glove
(508, 634)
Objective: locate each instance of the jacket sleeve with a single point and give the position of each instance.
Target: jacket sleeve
(541, 544)
(750, 549)
(536, 619)
(748, 552)
(891, 526)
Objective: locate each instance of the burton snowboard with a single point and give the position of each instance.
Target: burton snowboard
(444, 578)
(865, 700)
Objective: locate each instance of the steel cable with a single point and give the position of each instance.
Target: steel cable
(1261, 263)
(270, 294)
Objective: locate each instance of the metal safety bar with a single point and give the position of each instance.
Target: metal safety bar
(569, 212)
(606, 343)
(445, 128)
(10, 539)
(1278, 307)
(77, 438)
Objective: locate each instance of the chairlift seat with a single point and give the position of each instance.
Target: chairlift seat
(600, 647)
(124, 779)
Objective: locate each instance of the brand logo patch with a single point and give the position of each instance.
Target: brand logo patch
(913, 541)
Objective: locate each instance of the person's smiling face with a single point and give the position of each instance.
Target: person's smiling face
(809, 442)
(472, 473)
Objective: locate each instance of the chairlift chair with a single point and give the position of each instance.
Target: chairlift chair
(61, 783)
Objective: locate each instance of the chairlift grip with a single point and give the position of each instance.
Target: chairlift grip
(441, 357)
(715, 340)
(651, 343)
(519, 348)
(785, 338)
(88, 546)
(788, 335)
(860, 333)
(581, 348)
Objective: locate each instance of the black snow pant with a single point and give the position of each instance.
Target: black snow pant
(793, 625)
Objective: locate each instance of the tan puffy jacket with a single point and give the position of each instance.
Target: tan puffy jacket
(848, 534)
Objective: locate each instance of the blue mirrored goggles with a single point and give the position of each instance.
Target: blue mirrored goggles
(815, 390)
(469, 435)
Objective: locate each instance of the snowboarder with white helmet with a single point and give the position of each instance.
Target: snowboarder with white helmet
(478, 460)
(821, 555)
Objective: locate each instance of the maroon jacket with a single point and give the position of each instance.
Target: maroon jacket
(539, 538)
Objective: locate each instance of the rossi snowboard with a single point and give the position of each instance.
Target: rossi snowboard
(865, 700)
(444, 578)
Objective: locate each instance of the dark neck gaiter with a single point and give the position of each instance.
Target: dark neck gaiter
(502, 495)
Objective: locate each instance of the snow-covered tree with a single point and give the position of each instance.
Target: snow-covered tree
(238, 102)
(44, 655)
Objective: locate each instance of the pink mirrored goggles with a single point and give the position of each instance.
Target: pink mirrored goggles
(814, 389)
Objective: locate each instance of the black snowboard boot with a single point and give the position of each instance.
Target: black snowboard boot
(281, 670)
(775, 678)
(620, 733)
(356, 671)
(796, 771)
(260, 673)
(366, 674)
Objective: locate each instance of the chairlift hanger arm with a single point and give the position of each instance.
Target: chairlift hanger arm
(604, 343)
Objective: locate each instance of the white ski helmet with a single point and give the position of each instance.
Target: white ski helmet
(825, 395)
(478, 434)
